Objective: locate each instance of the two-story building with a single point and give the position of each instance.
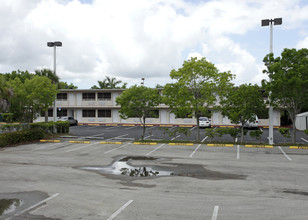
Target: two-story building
(98, 106)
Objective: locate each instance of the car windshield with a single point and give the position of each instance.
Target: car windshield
(203, 119)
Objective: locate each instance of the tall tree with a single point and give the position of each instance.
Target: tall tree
(54, 79)
(5, 93)
(197, 88)
(242, 104)
(288, 82)
(109, 83)
(139, 102)
(64, 85)
(31, 97)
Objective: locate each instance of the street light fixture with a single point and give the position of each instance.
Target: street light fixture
(54, 45)
(142, 83)
(271, 22)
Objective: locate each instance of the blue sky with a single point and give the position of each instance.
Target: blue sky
(146, 38)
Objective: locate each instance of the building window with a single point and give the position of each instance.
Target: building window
(88, 96)
(50, 113)
(90, 113)
(105, 113)
(153, 114)
(106, 96)
(61, 112)
(62, 96)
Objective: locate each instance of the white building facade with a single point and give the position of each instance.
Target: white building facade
(98, 106)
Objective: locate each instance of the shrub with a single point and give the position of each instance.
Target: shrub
(8, 117)
(256, 134)
(211, 133)
(17, 137)
(306, 131)
(62, 126)
(233, 132)
(285, 132)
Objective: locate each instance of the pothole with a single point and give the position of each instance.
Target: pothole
(141, 167)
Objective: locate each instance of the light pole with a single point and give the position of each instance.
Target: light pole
(54, 45)
(271, 22)
(142, 83)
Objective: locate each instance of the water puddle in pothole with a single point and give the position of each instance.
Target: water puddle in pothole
(9, 205)
(136, 166)
(122, 167)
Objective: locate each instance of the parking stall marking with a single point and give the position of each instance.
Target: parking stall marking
(33, 206)
(195, 151)
(155, 149)
(215, 212)
(238, 152)
(83, 146)
(120, 210)
(46, 146)
(204, 138)
(116, 148)
(284, 153)
(304, 140)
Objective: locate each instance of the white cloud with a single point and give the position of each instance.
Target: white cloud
(137, 38)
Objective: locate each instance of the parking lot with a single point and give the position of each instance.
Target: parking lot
(132, 133)
(63, 180)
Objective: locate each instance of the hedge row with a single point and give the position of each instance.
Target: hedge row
(11, 138)
(19, 133)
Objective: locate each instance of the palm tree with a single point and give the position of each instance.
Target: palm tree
(109, 83)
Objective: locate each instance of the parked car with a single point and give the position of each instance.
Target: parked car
(70, 119)
(204, 122)
(254, 124)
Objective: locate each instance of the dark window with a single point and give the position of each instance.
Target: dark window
(105, 113)
(62, 96)
(88, 113)
(88, 96)
(62, 112)
(104, 96)
(153, 114)
(50, 113)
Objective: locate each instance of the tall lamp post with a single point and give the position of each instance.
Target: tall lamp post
(271, 22)
(54, 45)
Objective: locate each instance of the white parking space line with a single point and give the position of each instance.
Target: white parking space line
(120, 210)
(34, 206)
(284, 153)
(155, 149)
(238, 152)
(215, 213)
(46, 146)
(148, 136)
(130, 127)
(192, 128)
(304, 140)
(195, 151)
(204, 138)
(98, 135)
(116, 137)
(116, 148)
(175, 137)
(109, 128)
(78, 148)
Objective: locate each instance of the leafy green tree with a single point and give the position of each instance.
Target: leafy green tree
(109, 83)
(49, 74)
(5, 93)
(197, 89)
(31, 97)
(288, 82)
(54, 79)
(139, 102)
(22, 75)
(242, 104)
(64, 85)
